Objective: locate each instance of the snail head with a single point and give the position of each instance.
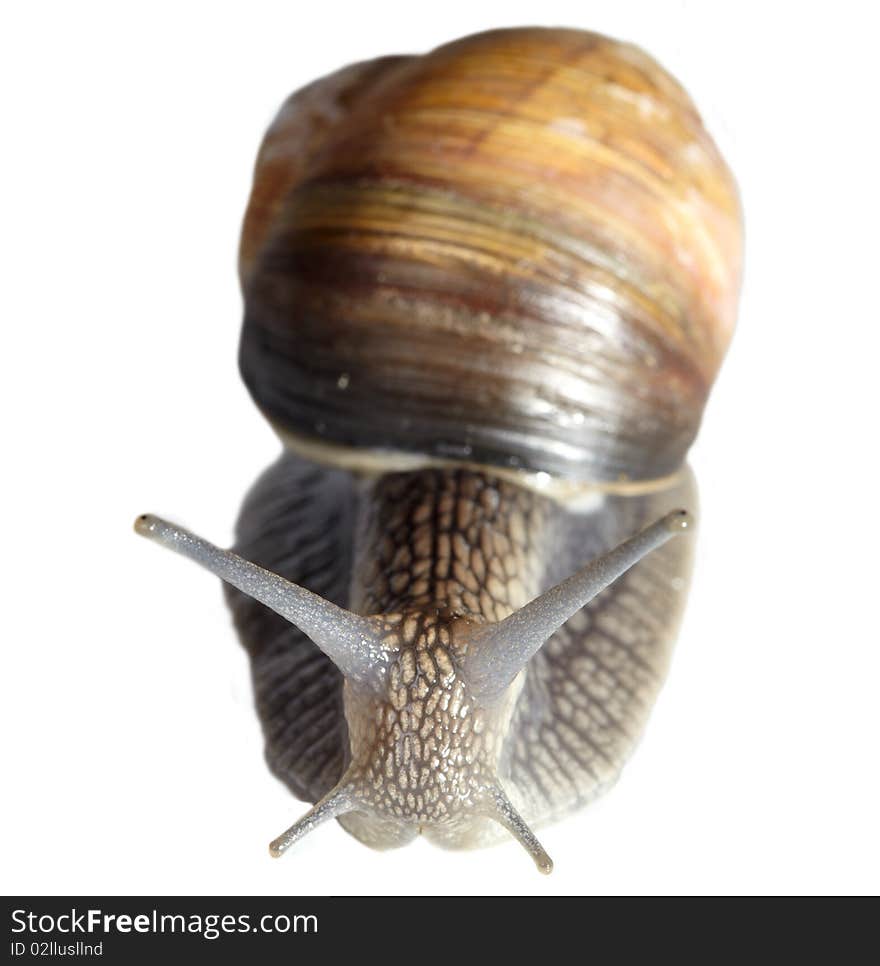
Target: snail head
(428, 696)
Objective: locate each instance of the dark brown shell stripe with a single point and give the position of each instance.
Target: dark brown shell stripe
(295, 137)
(522, 248)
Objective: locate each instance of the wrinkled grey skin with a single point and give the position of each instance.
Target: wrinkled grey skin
(435, 552)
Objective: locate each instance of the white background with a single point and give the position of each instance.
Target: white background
(132, 756)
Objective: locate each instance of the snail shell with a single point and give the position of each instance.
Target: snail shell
(470, 277)
(539, 213)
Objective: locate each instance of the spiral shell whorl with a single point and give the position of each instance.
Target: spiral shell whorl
(521, 249)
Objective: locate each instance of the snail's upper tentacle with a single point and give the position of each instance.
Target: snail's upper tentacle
(499, 651)
(352, 642)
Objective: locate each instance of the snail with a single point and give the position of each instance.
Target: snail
(487, 291)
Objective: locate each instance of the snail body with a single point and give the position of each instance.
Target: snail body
(487, 291)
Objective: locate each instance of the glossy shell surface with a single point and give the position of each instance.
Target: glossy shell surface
(521, 249)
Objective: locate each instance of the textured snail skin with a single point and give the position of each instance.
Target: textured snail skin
(539, 213)
(430, 550)
(487, 291)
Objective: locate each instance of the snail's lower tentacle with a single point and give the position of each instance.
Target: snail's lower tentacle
(503, 812)
(337, 802)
